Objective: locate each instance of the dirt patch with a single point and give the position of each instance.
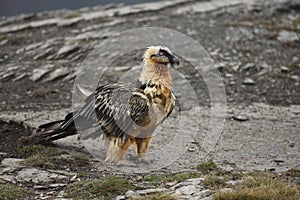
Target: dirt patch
(10, 132)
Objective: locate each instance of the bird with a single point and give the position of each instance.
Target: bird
(124, 113)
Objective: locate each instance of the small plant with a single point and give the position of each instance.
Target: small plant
(52, 158)
(104, 188)
(10, 191)
(207, 166)
(213, 181)
(28, 151)
(260, 188)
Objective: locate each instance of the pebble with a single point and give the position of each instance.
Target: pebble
(37, 74)
(295, 78)
(60, 72)
(130, 193)
(150, 191)
(66, 50)
(240, 118)
(248, 66)
(284, 69)
(287, 36)
(249, 81)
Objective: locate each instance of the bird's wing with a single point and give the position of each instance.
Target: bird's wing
(114, 110)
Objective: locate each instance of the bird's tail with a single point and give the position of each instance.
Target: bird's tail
(52, 131)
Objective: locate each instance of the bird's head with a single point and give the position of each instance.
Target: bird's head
(157, 61)
(160, 55)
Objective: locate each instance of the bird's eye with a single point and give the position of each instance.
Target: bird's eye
(161, 53)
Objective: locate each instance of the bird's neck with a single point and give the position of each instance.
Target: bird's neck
(156, 74)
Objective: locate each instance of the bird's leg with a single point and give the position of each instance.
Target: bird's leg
(142, 147)
(117, 150)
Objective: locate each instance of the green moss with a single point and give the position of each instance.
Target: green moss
(104, 188)
(207, 166)
(10, 191)
(260, 188)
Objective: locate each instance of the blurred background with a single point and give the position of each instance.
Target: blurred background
(14, 7)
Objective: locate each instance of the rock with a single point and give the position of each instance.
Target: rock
(284, 69)
(187, 190)
(191, 149)
(68, 22)
(37, 176)
(37, 74)
(235, 34)
(55, 185)
(240, 118)
(194, 181)
(233, 182)
(6, 75)
(3, 154)
(66, 50)
(179, 185)
(120, 198)
(203, 193)
(12, 162)
(130, 193)
(295, 60)
(278, 161)
(58, 73)
(287, 36)
(295, 78)
(248, 66)
(150, 191)
(21, 76)
(248, 81)
(44, 53)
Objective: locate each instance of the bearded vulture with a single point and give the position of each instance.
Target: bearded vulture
(125, 114)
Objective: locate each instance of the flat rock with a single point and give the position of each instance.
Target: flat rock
(150, 191)
(12, 162)
(187, 190)
(287, 36)
(58, 73)
(66, 50)
(38, 176)
(37, 74)
(238, 34)
(248, 81)
(248, 66)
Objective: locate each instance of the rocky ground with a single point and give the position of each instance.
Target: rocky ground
(256, 48)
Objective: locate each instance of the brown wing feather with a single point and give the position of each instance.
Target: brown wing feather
(117, 109)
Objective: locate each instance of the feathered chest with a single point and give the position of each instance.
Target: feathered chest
(162, 102)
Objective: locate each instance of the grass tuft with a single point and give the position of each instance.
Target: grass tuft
(260, 188)
(207, 166)
(213, 181)
(51, 158)
(10, 191)
(104, 188)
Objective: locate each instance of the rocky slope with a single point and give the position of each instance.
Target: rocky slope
(255, 46)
